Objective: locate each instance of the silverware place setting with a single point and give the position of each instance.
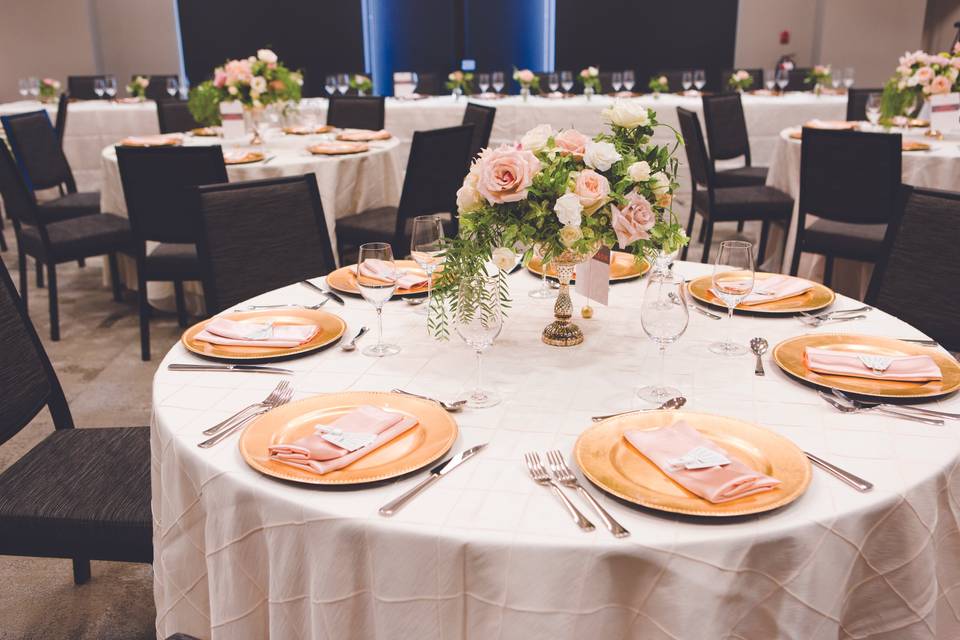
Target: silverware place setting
(840, 315)
(849, 405)
(351, 344)
(538, 473)
(436, 473)
(282, 394)
(324, 291)
(896, 407)
(854, 481)
(236, 368)
(261, 307)
(672, 403)
(565, 476)
(675, 299)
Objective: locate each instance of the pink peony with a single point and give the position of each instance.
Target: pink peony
(238, 72)
(593, 190)
(505, 174)
(924, 75)
(219, 78)
(585, 73)
(634, 221)
(940, 84)
(571, 142)
(525, 76)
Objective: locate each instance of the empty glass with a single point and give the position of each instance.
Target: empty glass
(769, 79)
(34, 84)
(23, 86)
(498, 81)
(782, 78)
(426, 247)
(566, 81)
(699, 79)
(331, 85)
(686, 80)
(377, 280)
(553, 81)
(99, 87)
(873, 108)
(110, 86)
(173, 85)
(628, 80)
(664, 318)
(483, 79)
(616, 79)
(478, 321)
(733, 277)
(848, 77)
(343, 83)
(836, 79)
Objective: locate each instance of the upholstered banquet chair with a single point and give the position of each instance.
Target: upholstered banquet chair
(797, 79)
(481, 117)
(157, 185)
(728, 139)
(756, 74)
(916, 276)
(726, 204)
(81, 87)
(439, 159)
(850, 181)
(674, 79)
(857, 103)
(80, 493)
(157, 89)
(259, 235)
(52, 242)
(174, 116)
(61, 126)
(431, 84)
(356, 112)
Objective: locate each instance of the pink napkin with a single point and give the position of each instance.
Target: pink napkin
(384, 272)
(314, 453)
(846, 363)
(716, 484)
(252, 334)
(363, 135)
(150, 141)
(781, 287)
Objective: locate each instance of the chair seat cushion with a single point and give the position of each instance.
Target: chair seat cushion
(745, 203)
(79, 237)
(80, 492)
(172, 261)
(71, 205)
(741, 177)
(845, 240)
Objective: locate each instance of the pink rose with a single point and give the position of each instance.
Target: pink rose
(525, 76)
(585, 73)
(592, 189)
(940, 84)
(505, 174)
(571, 142)
(924, 75)
(219, 78)
(634, 220)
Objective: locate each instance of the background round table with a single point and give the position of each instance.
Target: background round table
(348, 184)
(486, 553)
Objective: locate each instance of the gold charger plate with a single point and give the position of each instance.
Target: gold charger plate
(205, 132)
(247, 158)
(344, 279)
(305, 131)
(151, 141)
(419, 447)
(614, 465)
(820, 297)
(913, 145)
(331, 328)
(789, 356)
(623, 266)
(338, 148)
(918, 123)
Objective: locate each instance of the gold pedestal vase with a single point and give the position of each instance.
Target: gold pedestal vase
(561, 332)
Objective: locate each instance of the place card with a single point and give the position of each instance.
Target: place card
(699, 458)
(403, 84)
(593, 277)
(346, 440)
(231, 114)
(945, 113)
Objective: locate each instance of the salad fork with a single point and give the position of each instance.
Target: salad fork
(283, 398)
(899, 407)
(566, 477)
(541, 477)
(266, 402)
(853, 408)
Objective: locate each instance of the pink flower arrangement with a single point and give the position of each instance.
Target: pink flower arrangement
(571, 142)
(592, 188)
(505, 174)
(633, 221)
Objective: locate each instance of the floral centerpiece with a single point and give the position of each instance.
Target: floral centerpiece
(49, 89)
(137, 87)
(819, 76)
(255, 82)
(590, 79)
(460, 83)
(528, 81)
(563, 194)
(740, 81)
(918, 76)
(361, 83)
(659, 84)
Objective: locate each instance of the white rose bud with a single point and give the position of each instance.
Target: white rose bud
(593, 71)
(639, 171)
(266, 55)
(568, 209)
(626, 113)
(232, 90)
(468, 198)
(504, 258)
(536, 139)
(600, 155)
(662, 185)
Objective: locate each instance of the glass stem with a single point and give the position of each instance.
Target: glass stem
(729, 340)
(663, 364)
(429, 287)
(379, 326)
(479, 372)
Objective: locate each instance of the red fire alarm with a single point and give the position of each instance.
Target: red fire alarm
(785, 37)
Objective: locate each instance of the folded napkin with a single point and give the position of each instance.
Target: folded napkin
(253, 334)
(667, 445)
(817, 123)
(150, 141)
(240, 155)
(847, 363)
(317, 454)
(363, 135)
(775, 288)
(384, 272)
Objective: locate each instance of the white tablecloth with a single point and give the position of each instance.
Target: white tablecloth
(485, 553)
(938, 168)
(348, 184)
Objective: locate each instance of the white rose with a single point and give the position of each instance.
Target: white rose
(626, 113)
(662, 185)
(257, 103)
(468, 198)
(593, 71)
(504, 258)
(266, 55)
(568, 210)
(232, 90)
(639, 171)
(600, 155)
(258, 84)
(536, 139)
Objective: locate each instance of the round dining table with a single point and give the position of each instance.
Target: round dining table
(487, 553)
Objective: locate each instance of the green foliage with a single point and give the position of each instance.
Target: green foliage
(898, 102)
(204, 104)
(460, 80)
(360, 83)
(659, 84)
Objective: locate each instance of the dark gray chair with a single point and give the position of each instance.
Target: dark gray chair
(61, 126)
(174, 116)
(728, 139)
(260, 235)
(81, 87)
(356, 112)
(797, 79)
(481, 117)
(82, 494)
(857, 103)
(850, 181)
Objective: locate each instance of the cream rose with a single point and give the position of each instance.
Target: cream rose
(266, 55)
(924, 75)
(940, 84)
(592, 188)
(662, 183)
(626, 113)
(593, 72)
(232, 90)
(639, 171)
(504, 174)
(634, 220)
(258, 84)
(571, 142)
(468, 198)
(568, 210)
(503, 258)
(537, 138)
(600, 155)
(569, 235)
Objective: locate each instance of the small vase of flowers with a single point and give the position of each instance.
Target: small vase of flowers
(460, 83)
(590, 79)
(528, 82)
(49, 90)
(658, 85)
(361, 83)
(740, 81)
(819, 76)
(137, 88)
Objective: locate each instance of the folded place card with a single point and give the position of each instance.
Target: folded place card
(231, 114)
(593, 277)
(945, 113)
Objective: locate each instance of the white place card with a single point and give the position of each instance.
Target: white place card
(699, 458)
(593, 277)
(403, 84)
(945, 113)
(349, 441)
(231, 114)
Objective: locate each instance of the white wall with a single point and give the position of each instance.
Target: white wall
(136, 36)
(759, 24)
(938, 29)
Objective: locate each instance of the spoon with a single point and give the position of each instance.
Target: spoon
(352, 344)
(759, 347)
(415, 301)
(672, 403)
(675, 299)
(449, 406)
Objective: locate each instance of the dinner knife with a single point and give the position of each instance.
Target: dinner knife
(436, 473)
(245, 368)
(329, 294)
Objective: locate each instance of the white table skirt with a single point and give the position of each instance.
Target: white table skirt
(348, 184)
(486, 553)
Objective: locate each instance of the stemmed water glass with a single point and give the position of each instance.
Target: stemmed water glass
(664, 321)
(836, 79)
(733, 277)
(628, 80)
(331, 85)
(426, 247)
(769, 79)
(498, 82)
(553, 81)
(873, 108)
(343, 83)
(477, 320)
(173, 85)
(378, 258)
(848, 77)
(686, 80)
(483, 80)
(544, 291)
(782, 78)
(110, 86)
(616, 79)
(699, 79)
(99, 87)
(566, 81)
(23, 86)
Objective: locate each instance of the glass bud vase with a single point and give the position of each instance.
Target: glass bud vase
(253, 122)
(525, 92)
(457, 92)
(361, 92)
(588, 91)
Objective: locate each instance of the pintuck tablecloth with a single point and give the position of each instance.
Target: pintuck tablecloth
(485, 553)
(347, 184)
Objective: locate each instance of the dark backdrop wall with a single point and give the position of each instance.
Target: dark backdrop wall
(318, 37)
(647, 36)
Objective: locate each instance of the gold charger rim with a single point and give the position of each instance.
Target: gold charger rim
(797, 485)
(762, 308)
(249, 158)
(292, 474)
(346, 147)
(644, 268)
(335, 276)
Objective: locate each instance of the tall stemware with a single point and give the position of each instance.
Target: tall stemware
(553, 81)
(23, 86)
(873, 107)
(173, 85)
(330, 85)
(483, 81)
(99, 87)
(377, 280)
(664, 321)
(477, 320)
(769, 79)
(34, 84)
(566, 81)
(426, 247)
(686, 80)
(628, 80)
(782, 78)
(498, 83)
(733, 277)
(544, 291)
(616, 80)
(110, 86)
(343, 83)
(699, 79)
(848, 77)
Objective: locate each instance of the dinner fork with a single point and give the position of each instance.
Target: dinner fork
(541, 477)
(283, 398)
(839, 315)
(899, 407)
(843, 408)
(266, 402)
(566, 477)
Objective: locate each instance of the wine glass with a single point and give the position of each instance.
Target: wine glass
(836, 79)
(699, 79)
(544, 291)
(173, 85)
(377, 280)
(553, 81)
(110, 86)
(184, 88)
(733, 276)
(343, 83)
(566, 81)
(848, 77)
(782, 78)
(873, 108)
(498, 82)
(769, 79)
(477, 320)
(483, 80)
(99, 87)
(629, 80)
(664, 318)
(616, 79)
(23, 86)
(34, 84)
(686, 80)
(426, 247)
(331, 85)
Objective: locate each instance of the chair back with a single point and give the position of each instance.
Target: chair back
(18, 202)
(857, 103)
(481, 117)
(37, 149)
(756, 74)
(726, 127)
(849, 176)
(81, 87)
(157, 186)
(259, 235)
(174, 116)
(439, 159)
(430, 84)
(701, 172)
(356, 112)
(797, 79)
(27, 380)
(61, 126)
(157, 89)
(915, 278)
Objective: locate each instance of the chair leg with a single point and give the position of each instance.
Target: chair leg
(22, 267)
(115, 277)
(764, 233)
(3, 240)
(144, 322)
(39, 269)
(81, 570)
(828, 270)
(82, 262)
(690, 221)
(740, 225)
(54, 308)
(181, 303)
(708, 238)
